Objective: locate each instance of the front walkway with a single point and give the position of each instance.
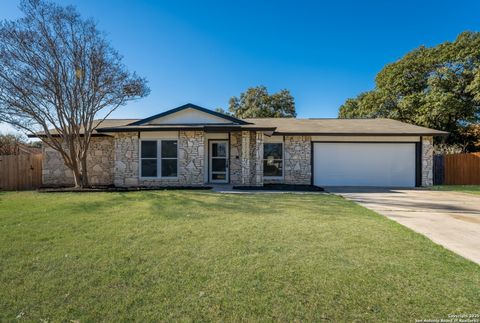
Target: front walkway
(450, 219)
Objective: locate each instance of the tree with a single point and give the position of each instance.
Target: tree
(16, 143)
(10, 143)
(437, 87)
(222, 110)
(57, 71)
(257, 103)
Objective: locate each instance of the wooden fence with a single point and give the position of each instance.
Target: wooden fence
(20, 172)
(457, 169)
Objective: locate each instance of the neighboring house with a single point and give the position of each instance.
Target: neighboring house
(193, 146)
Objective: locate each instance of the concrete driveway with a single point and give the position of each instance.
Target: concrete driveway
(450, 219)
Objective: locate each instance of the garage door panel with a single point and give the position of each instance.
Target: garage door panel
(364, 164)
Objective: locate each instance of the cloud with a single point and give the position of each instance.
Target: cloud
(6, 128)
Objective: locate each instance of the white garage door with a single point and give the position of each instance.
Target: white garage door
(364, 164)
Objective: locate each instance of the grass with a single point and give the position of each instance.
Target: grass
(472, 189)
(201, 256)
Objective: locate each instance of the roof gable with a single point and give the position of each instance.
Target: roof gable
(189, 114)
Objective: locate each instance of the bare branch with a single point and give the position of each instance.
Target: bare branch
(57, 75)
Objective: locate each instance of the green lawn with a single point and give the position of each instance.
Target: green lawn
(201, 256)
(472, 189)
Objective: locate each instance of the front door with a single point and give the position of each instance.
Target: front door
(218, 161)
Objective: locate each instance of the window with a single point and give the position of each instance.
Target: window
(169, 158)
(273, 160)
(158, 158)
(149, 158)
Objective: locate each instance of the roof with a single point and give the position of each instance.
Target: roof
(188, 106)
(106, 123)
(276, 126)
(379, 126)
(289, 126)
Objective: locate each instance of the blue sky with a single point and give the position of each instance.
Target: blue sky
(204, 52)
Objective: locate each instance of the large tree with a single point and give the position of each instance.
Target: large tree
(436, 87)
(256, 102)
(58, 74)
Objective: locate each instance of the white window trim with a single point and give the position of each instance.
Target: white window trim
(210, 163)
(159, 158)
(283, 160)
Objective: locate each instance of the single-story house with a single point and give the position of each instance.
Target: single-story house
(194, 146)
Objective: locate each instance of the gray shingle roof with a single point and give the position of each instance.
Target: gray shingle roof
(343, 126)
(285, 126)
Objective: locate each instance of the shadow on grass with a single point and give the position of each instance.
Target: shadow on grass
(213, 204)
(167, 204)
(180, 206)
(195, 205)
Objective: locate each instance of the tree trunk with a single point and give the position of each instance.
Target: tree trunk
(84, 172)
(77, 177)
(75, 165)
(80, 175)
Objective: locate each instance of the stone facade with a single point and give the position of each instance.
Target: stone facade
(115, 160)
(191, 157)
(246, 158)
(100, 161)
(190, 161)
(297, 160)
(427, 161)
(257, 179)
(54, 171)
(126, 163)
(235, 158)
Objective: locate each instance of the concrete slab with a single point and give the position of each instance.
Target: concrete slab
(451, 219)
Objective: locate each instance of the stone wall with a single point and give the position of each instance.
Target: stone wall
(191, 145)
(54, 171)
(190, 161)
(257, 155)
(427, 161)
(126, 159)
(100, 163)
(236, 158)
(297, 160)
(115, 160)
(246, 158)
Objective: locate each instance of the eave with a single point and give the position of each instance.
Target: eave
(385, 134)
(206, 128)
